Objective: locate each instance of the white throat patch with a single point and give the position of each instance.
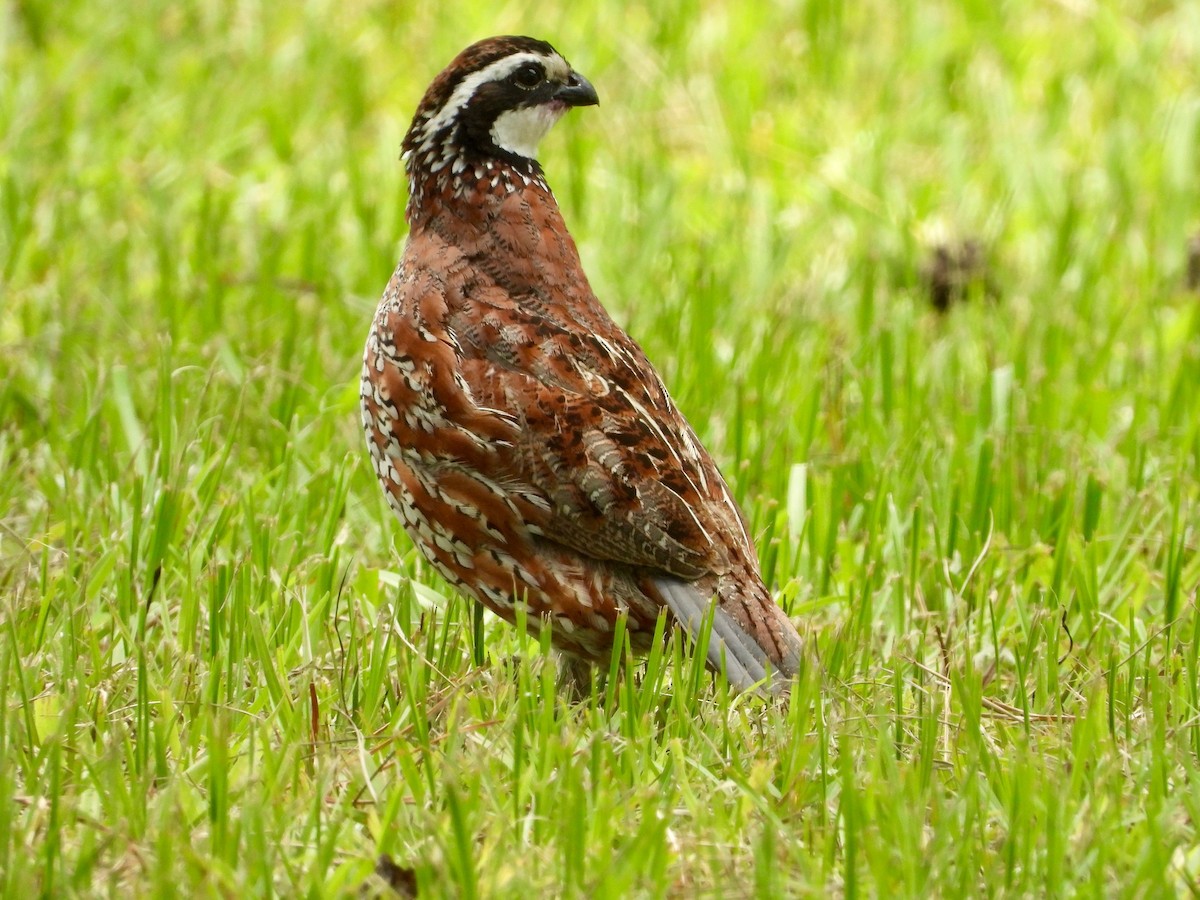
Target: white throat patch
(520, 131)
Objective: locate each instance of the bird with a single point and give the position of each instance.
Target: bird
(521, 436)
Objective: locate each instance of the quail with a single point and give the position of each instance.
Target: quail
(523, 439)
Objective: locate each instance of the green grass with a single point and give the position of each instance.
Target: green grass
(224, 670)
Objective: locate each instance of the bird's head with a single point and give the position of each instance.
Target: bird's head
(493, 103)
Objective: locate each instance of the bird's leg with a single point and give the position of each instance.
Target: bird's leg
(575, 677)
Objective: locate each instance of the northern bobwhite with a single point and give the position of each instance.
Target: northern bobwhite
(524, 440)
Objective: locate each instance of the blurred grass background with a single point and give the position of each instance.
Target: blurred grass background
(226, 671)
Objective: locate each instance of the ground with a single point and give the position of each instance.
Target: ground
(917, 273)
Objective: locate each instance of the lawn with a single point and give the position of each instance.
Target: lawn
(226, 672)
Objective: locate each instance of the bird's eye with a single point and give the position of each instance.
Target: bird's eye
(528, 77)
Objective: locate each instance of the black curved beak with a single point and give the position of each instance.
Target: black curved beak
(578, 91)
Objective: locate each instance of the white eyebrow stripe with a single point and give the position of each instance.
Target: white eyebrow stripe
(497, 71)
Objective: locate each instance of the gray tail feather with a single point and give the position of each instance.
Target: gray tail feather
(745, 661)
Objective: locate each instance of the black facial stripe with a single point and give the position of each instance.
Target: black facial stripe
(491, 101)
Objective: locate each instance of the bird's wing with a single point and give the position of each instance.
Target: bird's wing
(604, 463)
(608, 465)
